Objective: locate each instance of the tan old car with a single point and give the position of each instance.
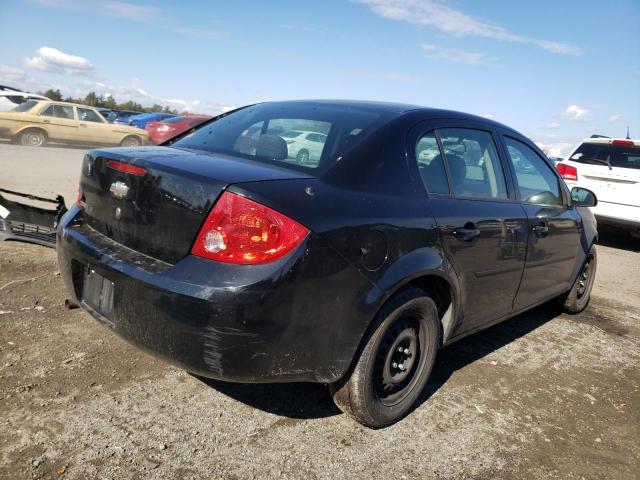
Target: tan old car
(35, 122)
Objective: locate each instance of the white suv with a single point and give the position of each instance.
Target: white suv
(10, 98)
(609, 167)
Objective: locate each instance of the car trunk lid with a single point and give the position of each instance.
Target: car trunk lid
(154, 199)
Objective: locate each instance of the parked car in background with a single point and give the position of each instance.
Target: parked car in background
(10, 98)
(611, 168)
(304, 146)
(122, 117)
(162, 131)
(35, 122)
(142, 119)
(221, 254)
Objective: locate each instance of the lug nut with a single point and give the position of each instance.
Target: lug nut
(401, 367)
(394, 365)
(400, 349)
(407, 351)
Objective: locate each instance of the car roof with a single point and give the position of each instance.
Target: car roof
(606, 140)
(398, 109)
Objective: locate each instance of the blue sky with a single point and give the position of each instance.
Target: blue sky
(555, 70)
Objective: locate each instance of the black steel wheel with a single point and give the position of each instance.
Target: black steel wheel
(394, 363)
(578, 297)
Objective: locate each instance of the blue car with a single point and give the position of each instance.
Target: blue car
(141, 120)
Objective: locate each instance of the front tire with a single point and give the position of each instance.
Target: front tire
(33, 138)
(131, 142)
(395, 362)
(580, 294)
(303, 156)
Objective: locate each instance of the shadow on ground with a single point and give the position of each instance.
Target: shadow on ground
(620, 240)
(308, 400)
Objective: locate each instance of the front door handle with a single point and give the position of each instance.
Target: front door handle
(540, 230)
(468, 233)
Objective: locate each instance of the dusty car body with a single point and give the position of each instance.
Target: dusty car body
(236, 262)
(34, 123)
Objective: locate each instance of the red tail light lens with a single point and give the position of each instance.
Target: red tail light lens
(126, 168)
(241, 231)
(568, 172)
(624, 143)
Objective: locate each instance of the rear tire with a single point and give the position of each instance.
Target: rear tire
(131, 142)
(394, 363)
(33, 138)
(580, 294)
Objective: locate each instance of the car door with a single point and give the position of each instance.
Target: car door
(95, 129)
(59, 122)
(482, 226)
(554, 228)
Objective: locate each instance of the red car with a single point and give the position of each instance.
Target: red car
(162, 131)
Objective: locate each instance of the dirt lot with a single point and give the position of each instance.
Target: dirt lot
(539, 396)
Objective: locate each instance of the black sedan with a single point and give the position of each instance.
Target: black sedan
(224, 254)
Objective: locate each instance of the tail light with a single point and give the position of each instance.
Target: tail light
(241, 231)
(624, 143)
(568, 172)
(126, 168)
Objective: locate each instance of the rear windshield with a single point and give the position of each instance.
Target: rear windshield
(604, 154)
(265, 133)
(26, 106)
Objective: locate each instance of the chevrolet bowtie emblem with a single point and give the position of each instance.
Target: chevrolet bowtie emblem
(119, 189)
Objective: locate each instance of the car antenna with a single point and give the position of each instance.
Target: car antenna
(628, 137)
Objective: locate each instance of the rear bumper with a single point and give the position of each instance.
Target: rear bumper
(299, 319)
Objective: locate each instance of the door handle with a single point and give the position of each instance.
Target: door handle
(540, 230)
(468, 233)
(46, 121)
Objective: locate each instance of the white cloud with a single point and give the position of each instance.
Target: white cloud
(50, 59)
(456, 55)
(559, 149)
(136, 93)
(490, 116)
(551, 126)
(132, 12)
(615, 118)
(577, 113)
(454, 22)
(124, 10)
(11, 74)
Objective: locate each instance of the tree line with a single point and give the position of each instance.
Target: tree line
(94, 100)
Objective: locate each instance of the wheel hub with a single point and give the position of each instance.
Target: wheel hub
(397, 358)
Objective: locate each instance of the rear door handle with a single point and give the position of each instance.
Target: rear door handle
(540, 230)
(466, 233)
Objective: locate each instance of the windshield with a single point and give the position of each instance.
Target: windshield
(264, 132)
(26, 106)
(623, 156)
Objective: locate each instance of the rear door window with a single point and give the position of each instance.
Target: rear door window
(474, 165)
(536, 181)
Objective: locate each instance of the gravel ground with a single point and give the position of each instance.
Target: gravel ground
(540, 396)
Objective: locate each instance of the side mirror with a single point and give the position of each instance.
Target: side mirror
(581, 197)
